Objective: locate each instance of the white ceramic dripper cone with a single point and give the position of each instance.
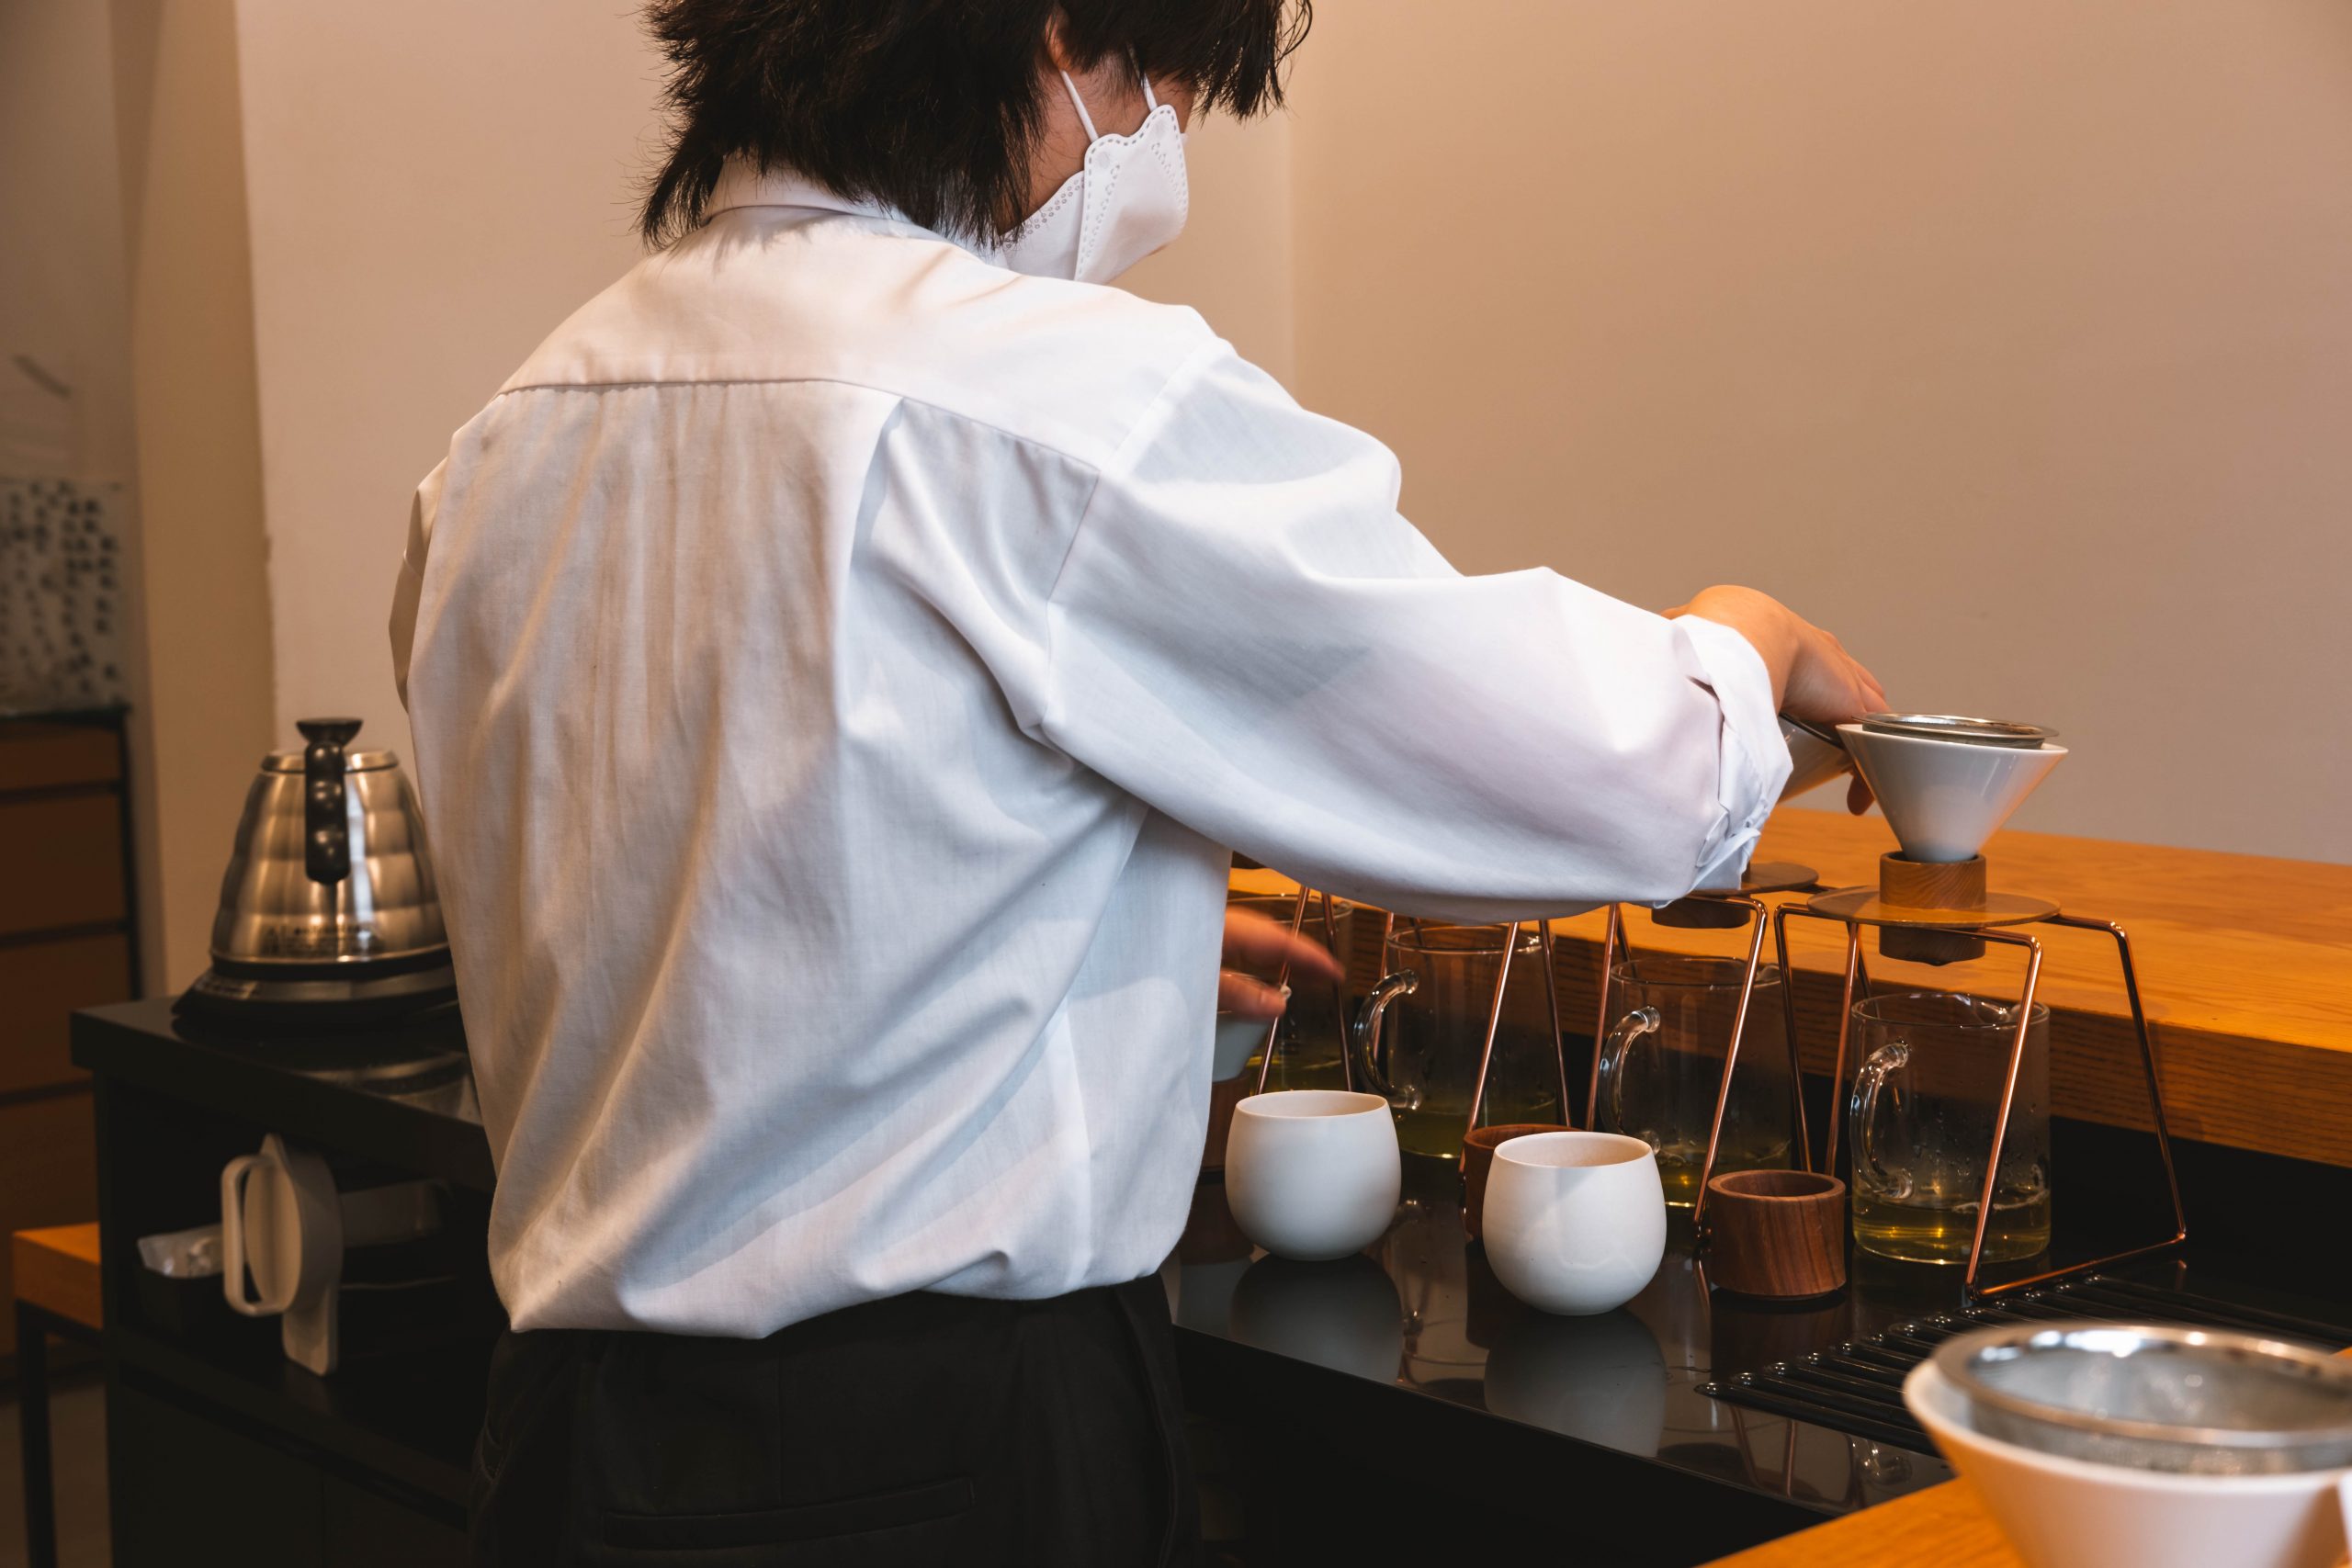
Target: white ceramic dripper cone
(1944, 799)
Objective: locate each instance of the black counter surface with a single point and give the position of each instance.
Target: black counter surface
(1392, 1402)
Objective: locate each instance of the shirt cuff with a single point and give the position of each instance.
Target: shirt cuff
(1755, 766)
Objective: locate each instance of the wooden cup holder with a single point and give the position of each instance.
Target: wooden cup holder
(1776, 1234)
(1956, 888)
(1702, 915)
(1478, 1163)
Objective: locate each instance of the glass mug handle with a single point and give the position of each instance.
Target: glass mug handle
(1363, 1038)
(1611, 1088)
(1885, 1063)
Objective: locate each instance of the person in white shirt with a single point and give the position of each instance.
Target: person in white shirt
(841, 660)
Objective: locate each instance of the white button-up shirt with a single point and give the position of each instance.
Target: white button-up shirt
(839, 667)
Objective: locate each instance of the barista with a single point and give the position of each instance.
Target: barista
(841, 661)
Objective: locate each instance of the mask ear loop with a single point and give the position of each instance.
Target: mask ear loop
(1083, 118)
(1150, 104)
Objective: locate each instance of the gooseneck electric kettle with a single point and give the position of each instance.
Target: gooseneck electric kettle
(328, 911)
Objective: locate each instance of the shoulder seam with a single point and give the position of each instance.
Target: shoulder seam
(1086, 514)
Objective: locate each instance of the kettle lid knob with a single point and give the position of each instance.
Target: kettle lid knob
(328, 731)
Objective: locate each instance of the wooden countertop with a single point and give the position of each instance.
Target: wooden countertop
(1945, 1525)
(2245, 966)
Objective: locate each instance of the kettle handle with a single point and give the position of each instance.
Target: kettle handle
(326, 830)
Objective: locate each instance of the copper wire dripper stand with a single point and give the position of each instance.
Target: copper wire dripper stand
(1511, 930)
(1495, 1021)
(1339, 989)
(1494, 1008)
(1723, 911)
(1941, 914)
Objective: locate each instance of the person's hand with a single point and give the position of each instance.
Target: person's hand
(1264, 944)
(1813, 675)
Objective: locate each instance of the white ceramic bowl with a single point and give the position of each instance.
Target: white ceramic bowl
(1235, 1039)
(1313, 1174)
(1575, 1222)
(2068, 1513)
(1944, 799)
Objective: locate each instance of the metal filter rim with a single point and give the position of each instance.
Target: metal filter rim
(1961, 727)
(1956, 1360)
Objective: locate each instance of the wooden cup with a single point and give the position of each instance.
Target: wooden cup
(1478, 1163)
(1778, 1234)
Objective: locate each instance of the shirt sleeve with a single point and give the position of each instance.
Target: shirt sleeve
(410, 587)
(1247, 636)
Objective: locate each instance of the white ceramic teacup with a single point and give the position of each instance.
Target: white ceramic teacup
(1313, 1173)
(1236, 1039)
(2067, 1513)
(1575, 1222)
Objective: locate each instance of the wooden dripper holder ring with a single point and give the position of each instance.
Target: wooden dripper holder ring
(1954, 889)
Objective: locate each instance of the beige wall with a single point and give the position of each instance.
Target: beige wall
(199, 472)
(63, 308)
(123, 274)
(60, 249)
(434, 186)
(2012, 340)
(1234, 263)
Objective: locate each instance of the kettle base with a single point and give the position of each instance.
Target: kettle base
(313, 999)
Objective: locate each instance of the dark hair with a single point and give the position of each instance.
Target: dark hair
(931, 105)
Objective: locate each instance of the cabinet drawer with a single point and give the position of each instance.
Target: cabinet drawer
(48, 1176)
(45, 982)
(41, 756)
(64, 860)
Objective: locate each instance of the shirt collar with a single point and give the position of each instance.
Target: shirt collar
(742, 183)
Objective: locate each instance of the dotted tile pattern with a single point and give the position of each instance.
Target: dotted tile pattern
(60, 595)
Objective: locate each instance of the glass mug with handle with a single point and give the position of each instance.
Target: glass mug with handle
(1925, 1100)
(1418, 1034)
(1661, 1068)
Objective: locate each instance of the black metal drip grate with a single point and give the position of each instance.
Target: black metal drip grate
(1857, 1387)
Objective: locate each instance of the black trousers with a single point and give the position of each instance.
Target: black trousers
(921, 1429)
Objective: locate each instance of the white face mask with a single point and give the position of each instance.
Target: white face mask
(1127, 201)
